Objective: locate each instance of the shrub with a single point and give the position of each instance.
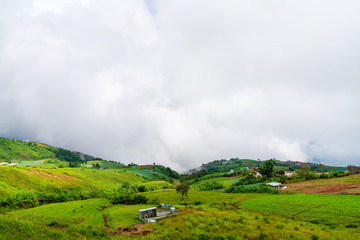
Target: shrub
(208, 186)
(129, 199)
(251, 189)
(315, 237)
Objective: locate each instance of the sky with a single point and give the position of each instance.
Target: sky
(183, 82)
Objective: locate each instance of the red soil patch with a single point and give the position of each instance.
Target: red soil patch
(54, 176)
(134, 230)
(336, 188)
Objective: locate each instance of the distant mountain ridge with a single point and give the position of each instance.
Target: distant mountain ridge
(237, 164)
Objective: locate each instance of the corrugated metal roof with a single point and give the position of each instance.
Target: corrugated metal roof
(274, 184)
(147, 209)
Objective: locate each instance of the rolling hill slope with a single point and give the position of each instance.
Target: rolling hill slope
(18, 150)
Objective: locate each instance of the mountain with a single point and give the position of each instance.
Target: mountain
(237, 164)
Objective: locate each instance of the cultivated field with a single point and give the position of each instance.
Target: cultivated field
(343, 185)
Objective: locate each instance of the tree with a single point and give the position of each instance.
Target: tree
(267, 168)
(183, 188)
(96, 165)
(281, 172)
(74, 164)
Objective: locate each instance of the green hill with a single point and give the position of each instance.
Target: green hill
(18, 150)
(29, 179)
(236, 164)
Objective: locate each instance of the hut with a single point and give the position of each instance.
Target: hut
(275, 185)
(353, 169)
(147, 213)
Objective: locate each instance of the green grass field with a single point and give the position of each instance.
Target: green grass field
(326, 208)
(208, 215)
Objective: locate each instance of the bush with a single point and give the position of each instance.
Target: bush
(208, 186)
(141, 188)
(315, 237)
(129, 199)
(251, 189)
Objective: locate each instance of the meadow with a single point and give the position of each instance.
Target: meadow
(203, 215)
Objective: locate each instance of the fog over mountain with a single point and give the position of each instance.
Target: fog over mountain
(183, 82)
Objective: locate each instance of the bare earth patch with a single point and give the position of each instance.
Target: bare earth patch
(47, 175)
(332, 189)
(134, 230)
(310, 187)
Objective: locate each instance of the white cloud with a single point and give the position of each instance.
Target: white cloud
(183, 82)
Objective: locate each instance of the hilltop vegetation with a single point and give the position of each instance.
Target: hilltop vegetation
(236, 165)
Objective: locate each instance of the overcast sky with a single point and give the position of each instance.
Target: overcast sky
(185, 82)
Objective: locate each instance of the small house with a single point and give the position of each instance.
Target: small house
(257, 175)
(147, 213)
(275, 185)
(164, 205)
(289, 174)
(353, 169)
(151, 214)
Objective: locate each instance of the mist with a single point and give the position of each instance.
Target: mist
(181, 83)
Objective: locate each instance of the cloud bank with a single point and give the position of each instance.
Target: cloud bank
(181, 83)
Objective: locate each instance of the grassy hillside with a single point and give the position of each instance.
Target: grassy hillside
(18, 150)
(11, 149)
(23, 179)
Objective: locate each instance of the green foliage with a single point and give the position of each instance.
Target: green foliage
(251, 189)
(302, 176)
(209, 185)
(128, 199)
(66, 155)
(183, 188)
(222, 167)
(19, 150)
(74, 164)
(96, 165)
(167, 171)
(267, 169)
(154, 185)
(248, 179)
(33, 199)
